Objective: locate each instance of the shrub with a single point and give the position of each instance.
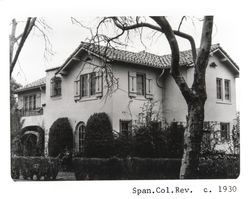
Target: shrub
(29, 167)
(175, 140)
(151, 142)
(98, 168)
(60, 137)
(99, 141)
(123, 146)
(219, 166)
(127, 168)
(143, 144)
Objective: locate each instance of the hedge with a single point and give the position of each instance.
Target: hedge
(220, 166)
(29, 167)
(127, 168)
(152, 168)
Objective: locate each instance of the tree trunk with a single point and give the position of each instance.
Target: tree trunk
(192, 140)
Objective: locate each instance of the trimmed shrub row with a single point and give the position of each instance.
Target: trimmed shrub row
(127, 168)
(29, 167)
(226, 167)
(220, 166)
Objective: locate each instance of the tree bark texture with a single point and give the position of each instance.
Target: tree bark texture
(194, 129)
(192, 140)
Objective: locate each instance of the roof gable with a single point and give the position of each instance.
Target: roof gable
(141, 58)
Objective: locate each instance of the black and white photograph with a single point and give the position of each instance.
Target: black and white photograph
(108, 112)
(109, 99)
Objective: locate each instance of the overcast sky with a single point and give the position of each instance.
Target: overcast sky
(65, 37)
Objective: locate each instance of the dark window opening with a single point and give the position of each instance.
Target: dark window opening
(125, 127)
(56, 88)
(224, 128)
(140, 84)
(219, 88)
(227, 89)
(84, 85)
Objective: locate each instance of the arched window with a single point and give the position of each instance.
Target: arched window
(80, 136)
(55, 85)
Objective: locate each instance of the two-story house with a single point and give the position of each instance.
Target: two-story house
(79, 88)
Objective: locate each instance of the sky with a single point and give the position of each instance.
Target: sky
(65, 36)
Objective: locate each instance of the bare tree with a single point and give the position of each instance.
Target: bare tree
(19, 41)
(195, 96)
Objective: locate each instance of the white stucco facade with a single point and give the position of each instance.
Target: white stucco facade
(120, 106)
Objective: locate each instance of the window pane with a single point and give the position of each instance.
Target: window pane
(92, 83)
(219, 88)
(227, 89)
(56, 86)
(84, 85)
(224, 127)
(30, 102)
(81, 132)
(26, 99)
(34, 102)
(140, 81)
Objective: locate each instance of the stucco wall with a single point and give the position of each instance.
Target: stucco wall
(116, 106)
(175, 107)
(170, 104)
(126, 108)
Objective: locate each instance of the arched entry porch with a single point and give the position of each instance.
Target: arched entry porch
(32, 141)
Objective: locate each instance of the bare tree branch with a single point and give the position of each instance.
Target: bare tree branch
(29, 25)
(191, 41)
(175, 72)
(179, 28)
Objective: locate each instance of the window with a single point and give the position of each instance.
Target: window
(219, 88)
(30, 102)
(56, 89)
(140, 84)
(125, 127)
(88, 84)
(224, 128)
(84, 85)
(81, 134)
(92, 79)
(227, 89)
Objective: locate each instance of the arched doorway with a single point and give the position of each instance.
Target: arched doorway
(32, 140)
(80, 137)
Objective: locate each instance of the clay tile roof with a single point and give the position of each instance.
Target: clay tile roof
(36, 84)
(141, 58)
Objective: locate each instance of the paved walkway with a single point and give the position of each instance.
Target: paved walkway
(60, 176)
(65, 176)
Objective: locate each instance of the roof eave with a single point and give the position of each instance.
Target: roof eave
(235, 67)
(22, 90)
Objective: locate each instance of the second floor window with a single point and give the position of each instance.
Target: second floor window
(140, 84)
(219, 88)
(88, 84)
(56, 88)
(29, 102)
(227, 89)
